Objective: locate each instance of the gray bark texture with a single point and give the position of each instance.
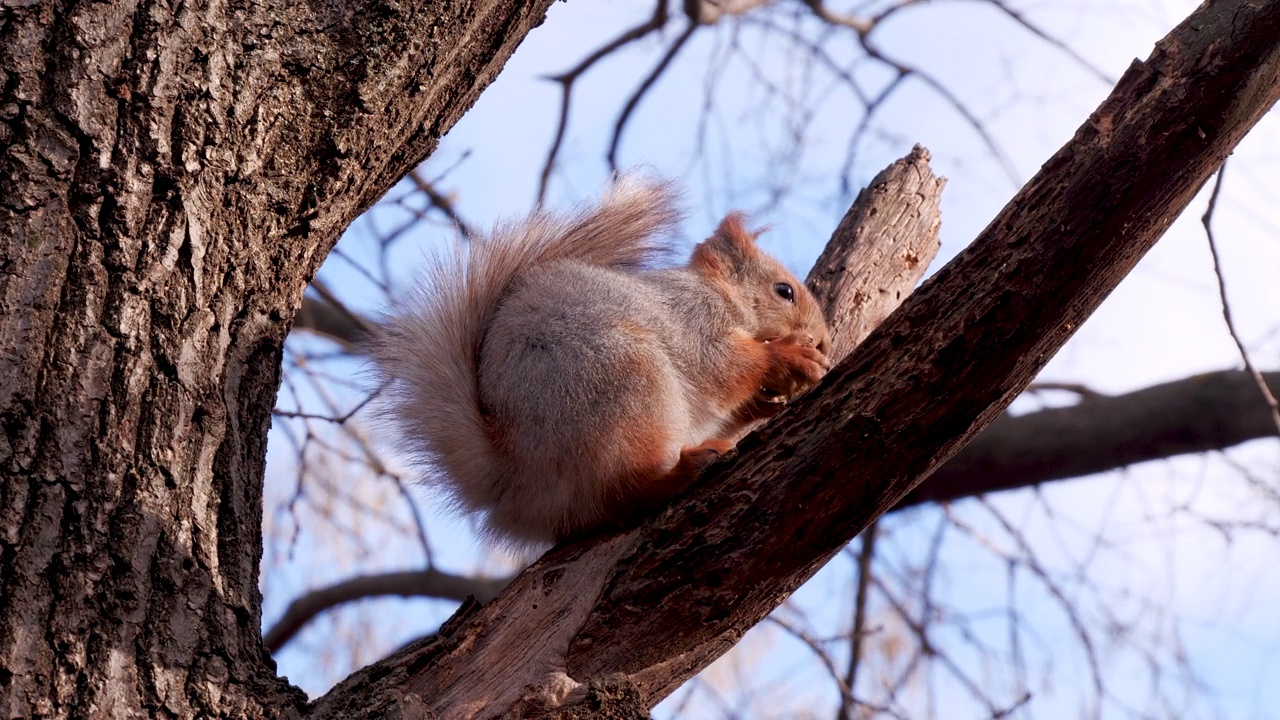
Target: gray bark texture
(171, 176)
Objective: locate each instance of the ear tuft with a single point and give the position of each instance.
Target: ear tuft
(733, 233)
(729, 248)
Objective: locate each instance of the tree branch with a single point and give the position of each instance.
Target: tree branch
(342, 326)
(568, 78)
(879, 251)
(1197, 414)
(938, 370)
(646, 84)
(1263, 390)
(330, 319)
(419, 583)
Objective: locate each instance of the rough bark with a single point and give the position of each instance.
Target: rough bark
(879, 251)
(172, 175)
(659, 603)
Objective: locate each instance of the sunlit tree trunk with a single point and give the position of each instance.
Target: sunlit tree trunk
(171, 176)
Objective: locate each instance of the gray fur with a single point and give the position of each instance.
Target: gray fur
(542, 372)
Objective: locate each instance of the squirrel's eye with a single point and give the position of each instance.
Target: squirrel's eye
(785, 291)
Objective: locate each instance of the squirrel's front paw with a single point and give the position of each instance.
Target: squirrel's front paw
(795, 365)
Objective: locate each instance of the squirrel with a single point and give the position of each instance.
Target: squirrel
(552, 378)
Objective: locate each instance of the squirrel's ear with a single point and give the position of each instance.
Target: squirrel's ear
(729, 248)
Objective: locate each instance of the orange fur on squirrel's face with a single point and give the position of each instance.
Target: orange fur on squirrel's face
(779, 303)
(552, 380)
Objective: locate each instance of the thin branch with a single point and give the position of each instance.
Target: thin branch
(846, 693)
(421, 583)
(1069, 609)
(865, 555)
(341, 419)
(566, 80)
(634, 101)
(1066, 49)
(920, 629)
(332, 321)
(975, 124)
(1261, 382)
(442, 203)
(1080, 389)
(860, 25)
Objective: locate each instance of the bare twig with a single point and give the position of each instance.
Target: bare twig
(1084, 391)
(865, 555)
(333, 321)
(920, 629)
(1207, 219)
(420, 583)
(441, 203)
(1066, 49)
(846, 693)
(1032, 563)
(566, 80)
(860, 25)
(644, 87)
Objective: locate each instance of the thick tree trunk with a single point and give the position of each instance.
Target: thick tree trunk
(172, 175)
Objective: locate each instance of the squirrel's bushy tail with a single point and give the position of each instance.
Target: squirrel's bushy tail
(428, 353)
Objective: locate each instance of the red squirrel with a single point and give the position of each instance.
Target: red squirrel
(551, 378)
